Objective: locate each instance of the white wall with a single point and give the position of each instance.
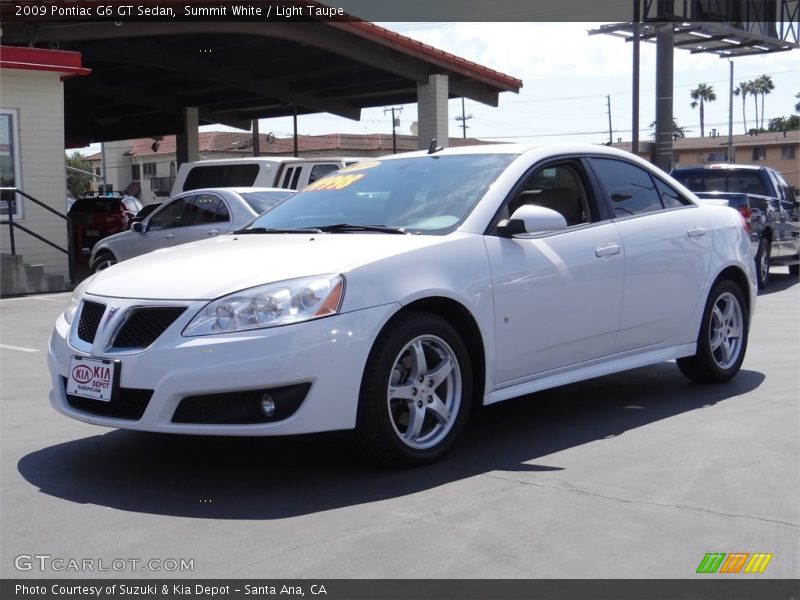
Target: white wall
(38, 98)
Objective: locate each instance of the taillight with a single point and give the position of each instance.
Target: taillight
(744, 211)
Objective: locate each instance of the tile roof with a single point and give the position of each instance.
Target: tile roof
(241, 142)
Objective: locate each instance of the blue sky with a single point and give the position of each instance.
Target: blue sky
(566, 76)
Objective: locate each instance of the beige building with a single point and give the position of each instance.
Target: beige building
(32, 160)
(778, 150)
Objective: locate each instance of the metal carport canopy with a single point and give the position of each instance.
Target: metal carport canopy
(144, 74)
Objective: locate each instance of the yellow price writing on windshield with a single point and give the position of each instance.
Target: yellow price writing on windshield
(334, 182)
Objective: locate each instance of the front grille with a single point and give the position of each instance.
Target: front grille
(91, 314)
(144, 325)
(127, 403)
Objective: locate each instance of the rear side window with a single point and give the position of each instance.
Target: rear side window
(202, 176)
(669, 197)
(631, 189)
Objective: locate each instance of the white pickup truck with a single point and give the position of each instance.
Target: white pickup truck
(274, 171)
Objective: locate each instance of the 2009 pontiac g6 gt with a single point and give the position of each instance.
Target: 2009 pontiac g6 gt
(392, 296)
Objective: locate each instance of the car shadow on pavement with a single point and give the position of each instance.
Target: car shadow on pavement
(779, 282)
(272, 478)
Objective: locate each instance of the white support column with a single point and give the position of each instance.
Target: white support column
(187, 143)
(432, 110)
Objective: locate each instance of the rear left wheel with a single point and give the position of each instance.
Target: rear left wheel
(722, 341)
(416, 391)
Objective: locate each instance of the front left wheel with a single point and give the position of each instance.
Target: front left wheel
(104, 260)
(416, 391)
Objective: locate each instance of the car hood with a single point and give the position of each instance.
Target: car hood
(212, 268)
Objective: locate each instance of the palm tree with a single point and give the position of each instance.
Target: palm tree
(743, 89)
(677, 130)
(763, 86)
(754, 93)
(700, 95)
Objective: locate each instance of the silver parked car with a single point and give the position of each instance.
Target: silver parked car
(187, 217)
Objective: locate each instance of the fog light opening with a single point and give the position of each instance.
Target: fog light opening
(268, 406)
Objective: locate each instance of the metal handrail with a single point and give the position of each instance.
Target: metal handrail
(13, 224)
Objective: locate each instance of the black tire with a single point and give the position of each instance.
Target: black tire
(392, 393)
(104, 260)
(794, 270)
(716, 360)
(762, 263)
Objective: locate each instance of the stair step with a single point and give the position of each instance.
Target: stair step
(18, 278)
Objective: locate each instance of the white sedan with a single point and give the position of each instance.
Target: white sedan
(390, 297)
(187, 217)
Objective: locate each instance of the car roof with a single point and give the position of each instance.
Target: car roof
(720, 166)
(235, 189)
(271, 159)
(545, 149)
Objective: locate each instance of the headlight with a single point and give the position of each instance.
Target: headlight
(75, 299)
(281, 303)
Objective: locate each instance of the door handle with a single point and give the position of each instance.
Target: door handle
(609, 250)
(212, 231)
(169, 236)
(695, 231)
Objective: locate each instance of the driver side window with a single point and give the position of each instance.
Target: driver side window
(557, 187)
(172, 215)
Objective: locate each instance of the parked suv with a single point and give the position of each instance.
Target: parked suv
(97, 216)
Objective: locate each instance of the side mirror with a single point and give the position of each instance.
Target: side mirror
(529, 219)
(138, 227)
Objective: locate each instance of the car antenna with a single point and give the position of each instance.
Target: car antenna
(433, 148)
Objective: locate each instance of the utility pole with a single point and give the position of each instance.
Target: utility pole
(610, 133)
(730, 115)
(395, 125)
(635, 107)
(463, 118)
(256, 138)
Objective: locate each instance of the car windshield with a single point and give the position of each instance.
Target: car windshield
(261, 201)
(423, 194)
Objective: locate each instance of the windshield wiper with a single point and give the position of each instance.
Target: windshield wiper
(288, 230)
(345, 227)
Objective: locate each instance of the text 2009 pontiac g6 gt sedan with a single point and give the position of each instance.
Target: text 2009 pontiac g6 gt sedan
(391, 296)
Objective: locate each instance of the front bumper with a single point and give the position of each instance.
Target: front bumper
(329, 354)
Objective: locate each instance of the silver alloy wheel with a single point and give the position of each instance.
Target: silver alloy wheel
(424, 392)
(105, 260)
(725, 330)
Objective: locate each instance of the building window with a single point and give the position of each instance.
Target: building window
(9, 164)
(759, 153)
(787, 153)
(149, 169)
(717, 157)
(135, 173)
